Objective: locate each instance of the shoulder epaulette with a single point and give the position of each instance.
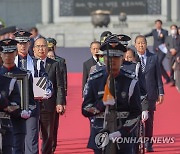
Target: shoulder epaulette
(128, 73)
(96, 74)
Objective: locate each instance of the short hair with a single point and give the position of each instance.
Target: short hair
(158, 20)
(174, 25)
(133, 52)
(95, 42)
(40, 38)
(33, 28)
(140, 36)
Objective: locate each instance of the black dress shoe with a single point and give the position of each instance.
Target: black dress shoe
(149, 149)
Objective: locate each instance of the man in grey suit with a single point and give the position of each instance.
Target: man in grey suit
(172, 43)
(151, 77)
(159, 35)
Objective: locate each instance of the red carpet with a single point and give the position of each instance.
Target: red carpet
(74, 128)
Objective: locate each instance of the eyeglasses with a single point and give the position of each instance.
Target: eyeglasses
(40, 46)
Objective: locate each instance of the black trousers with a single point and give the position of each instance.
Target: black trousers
(171, 62)
(56, 125)
(161, 57)
(7, 138)
(149, 127)
(47, 128)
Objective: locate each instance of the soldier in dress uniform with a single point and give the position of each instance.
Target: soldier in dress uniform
(8, 55)
(126, 105)
(24, 61)
(9, 105)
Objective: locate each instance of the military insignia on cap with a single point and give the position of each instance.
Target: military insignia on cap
(120, 37)
(113, 45)
(123, 94)
(21, 33)
(6, 41)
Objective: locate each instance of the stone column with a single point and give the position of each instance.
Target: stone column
(174, 10)
(45, 11)
(169, 10)
(178, 10)
(166, 9)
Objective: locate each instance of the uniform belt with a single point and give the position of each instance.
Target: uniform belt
(119, 115)
(4, 115)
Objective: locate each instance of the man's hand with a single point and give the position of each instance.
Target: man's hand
(161, 35)
(160, 100)
(61, 109)
(25, 114)
(173, 51)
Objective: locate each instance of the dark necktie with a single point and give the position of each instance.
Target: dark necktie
(35, 67)
(174, 41)
(142, 64)
(42, 69)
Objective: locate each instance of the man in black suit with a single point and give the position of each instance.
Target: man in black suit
(159, 35)
(94, 47)
(62, 62)
(152, 80)
(56, 102)
(172, 43)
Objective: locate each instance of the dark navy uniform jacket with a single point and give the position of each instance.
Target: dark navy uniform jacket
(128, 100)
(20, 125)
(133, 70)
(9, 94)
(16, 70)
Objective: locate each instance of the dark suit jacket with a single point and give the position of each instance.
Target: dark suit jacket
(157, 40)
(152, 79)
(170, 43)
(63, 67)
(86, 68)
(58, 96)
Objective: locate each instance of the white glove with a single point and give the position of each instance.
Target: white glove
(109, 102)
(144, 115)
(47, 94)
(114, 135)
(25, 114)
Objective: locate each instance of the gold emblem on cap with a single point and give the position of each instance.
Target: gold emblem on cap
(120, 37)
(21, 33)
(6, 41)
(113, 45)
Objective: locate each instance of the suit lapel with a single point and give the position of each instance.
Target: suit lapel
(93, 61)
(48, 65)
(148, 61)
